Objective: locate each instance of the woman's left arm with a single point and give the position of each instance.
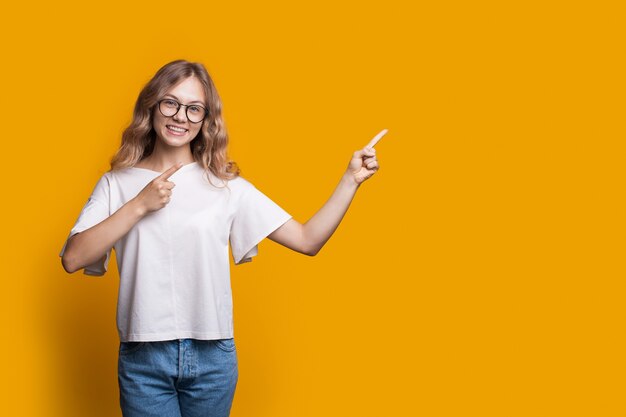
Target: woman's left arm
(308, 238)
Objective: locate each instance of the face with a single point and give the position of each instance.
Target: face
(177, 130)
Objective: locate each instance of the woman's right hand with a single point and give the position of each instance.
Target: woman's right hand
(158, 192)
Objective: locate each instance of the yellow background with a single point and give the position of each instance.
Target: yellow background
(480, 272)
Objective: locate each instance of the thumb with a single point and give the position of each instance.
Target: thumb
(367, 151)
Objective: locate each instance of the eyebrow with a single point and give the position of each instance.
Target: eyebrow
(195, 101)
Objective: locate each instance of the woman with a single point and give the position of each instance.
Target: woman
(177, 354)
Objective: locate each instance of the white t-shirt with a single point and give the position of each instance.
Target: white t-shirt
(173, 263)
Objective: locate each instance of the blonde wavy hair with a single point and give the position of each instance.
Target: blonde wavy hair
(209, 147)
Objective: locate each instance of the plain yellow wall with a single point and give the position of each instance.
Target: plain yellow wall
(480, 272)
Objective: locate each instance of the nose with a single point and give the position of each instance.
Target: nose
(181, 114)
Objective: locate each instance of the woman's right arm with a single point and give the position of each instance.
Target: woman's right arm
(88, 246)
(91, 245)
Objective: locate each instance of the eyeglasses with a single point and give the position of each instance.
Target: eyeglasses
(195, 113)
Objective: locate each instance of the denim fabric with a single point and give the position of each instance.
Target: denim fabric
(177, 378)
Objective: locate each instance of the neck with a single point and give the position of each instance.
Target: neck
(163, 158)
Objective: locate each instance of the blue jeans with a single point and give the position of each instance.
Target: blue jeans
(177, 378)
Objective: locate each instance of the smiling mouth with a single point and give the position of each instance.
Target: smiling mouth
(176, 129)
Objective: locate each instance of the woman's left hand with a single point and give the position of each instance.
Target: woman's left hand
(363, 165)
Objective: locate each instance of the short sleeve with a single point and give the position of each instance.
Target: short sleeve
(95, 211)
(256, 217)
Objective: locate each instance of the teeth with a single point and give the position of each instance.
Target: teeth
(176, 129)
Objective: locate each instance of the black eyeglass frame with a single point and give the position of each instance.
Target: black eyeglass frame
(179, 105)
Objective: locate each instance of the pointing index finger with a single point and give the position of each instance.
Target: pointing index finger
(376, 138)
(165, 175)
